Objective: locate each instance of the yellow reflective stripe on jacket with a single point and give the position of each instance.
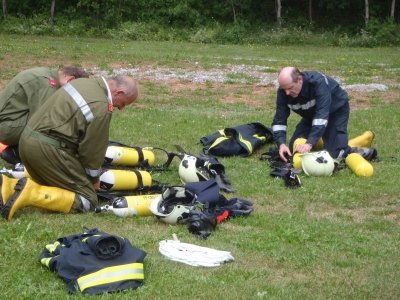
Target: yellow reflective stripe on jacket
(88, 237)
(247, 143)
(46, 261)
(260, 137)
(52, 247)
(218, 141)
(132, 271)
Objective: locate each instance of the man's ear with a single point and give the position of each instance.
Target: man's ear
(69, 78)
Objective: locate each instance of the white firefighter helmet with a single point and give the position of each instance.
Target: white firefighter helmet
(317, 163)
(191, 169)
(173, 205)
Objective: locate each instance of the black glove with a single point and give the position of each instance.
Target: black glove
(236, 207)
(201, 223)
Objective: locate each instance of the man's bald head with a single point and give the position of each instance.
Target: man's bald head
(124, 90)
(291, 81)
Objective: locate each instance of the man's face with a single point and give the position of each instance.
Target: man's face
(120, 100)
(290, 87)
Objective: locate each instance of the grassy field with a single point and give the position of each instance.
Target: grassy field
(336, 237)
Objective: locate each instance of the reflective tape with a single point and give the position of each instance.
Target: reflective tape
(93, 173)
(83, 106)
(52, 247)
(132, 271)
(46, 261)
(218, 141)
(260, 137)
(247, 143)
(319, 122)
(279, 128)
(304, 106)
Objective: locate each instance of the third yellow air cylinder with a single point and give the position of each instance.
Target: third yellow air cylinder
(359, 165)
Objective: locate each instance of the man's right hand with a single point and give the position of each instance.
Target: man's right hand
(284, 152)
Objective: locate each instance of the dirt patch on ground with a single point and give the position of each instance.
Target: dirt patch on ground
(246, 84)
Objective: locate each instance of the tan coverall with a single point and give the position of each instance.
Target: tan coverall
(21, 97)
(65, 141)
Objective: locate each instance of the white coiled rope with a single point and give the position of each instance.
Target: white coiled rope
(193, 255)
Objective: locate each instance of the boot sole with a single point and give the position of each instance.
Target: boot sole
(5, 212)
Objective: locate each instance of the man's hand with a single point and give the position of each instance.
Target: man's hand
(304, 148)
(284, 152)
(96, 185)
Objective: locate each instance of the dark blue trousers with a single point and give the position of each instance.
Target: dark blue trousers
(335, 137)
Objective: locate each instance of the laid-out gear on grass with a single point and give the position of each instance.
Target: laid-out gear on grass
(126, 206)
(129, 156)
(198, 204)
(359, 165)
(174, 205)
(95, 262)
(190, 170)
(291, 179)
(317, 163)
(122, 155)
(117, 180)
(202, 168)
(364, 140)
(240, 140)
(193, 255)
(282, 169)
(201, 222)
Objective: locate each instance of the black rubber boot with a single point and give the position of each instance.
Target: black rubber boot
(367, 153)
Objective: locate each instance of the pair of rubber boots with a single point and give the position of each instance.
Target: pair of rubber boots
(19, 193)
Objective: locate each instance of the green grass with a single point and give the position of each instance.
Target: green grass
(336, 237)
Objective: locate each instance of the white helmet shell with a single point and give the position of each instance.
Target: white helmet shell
(170, 214)
(190, 171)
(317, 163)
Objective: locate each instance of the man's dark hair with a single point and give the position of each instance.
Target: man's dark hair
(74, 71)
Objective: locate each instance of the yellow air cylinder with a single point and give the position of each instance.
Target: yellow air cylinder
(296, 156)
(138, 205)
(123, 180)
(362, 141)
(359, 165)
(126, 156)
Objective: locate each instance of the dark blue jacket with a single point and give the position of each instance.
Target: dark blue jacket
(95, 262)
(319, 97)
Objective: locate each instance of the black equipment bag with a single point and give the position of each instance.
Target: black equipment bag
(240, 140)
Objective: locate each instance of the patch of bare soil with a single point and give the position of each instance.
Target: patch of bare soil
(364, 100)
(231, 83)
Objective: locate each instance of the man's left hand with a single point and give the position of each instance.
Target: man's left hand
(304, 148)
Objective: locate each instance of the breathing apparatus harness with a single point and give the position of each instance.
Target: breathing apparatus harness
(282, 169)
(199, 205)
(142, 163)
(201, 168)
